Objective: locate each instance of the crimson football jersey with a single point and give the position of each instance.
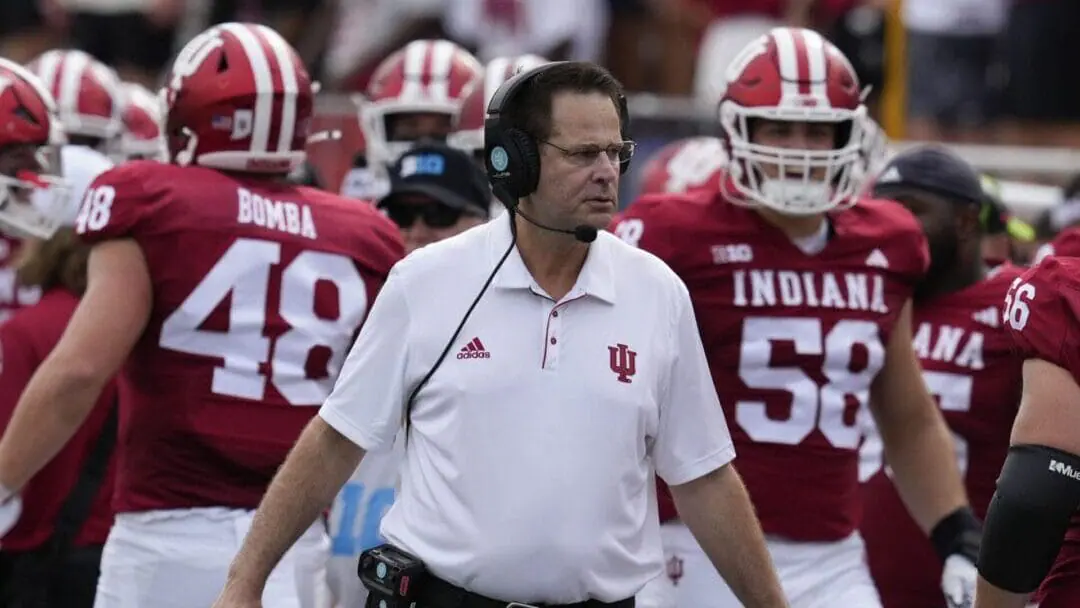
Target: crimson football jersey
(25, 340)
(972, 370)
(1042, 314)
(793, 340)
(258, 291)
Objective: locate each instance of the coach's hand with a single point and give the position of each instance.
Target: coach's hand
(958, 581)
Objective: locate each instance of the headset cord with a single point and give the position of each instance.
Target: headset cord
(461, 326)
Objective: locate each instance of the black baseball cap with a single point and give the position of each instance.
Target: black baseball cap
(442, 173)
(932, 169)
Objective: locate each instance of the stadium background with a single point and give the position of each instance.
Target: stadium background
(667, 52)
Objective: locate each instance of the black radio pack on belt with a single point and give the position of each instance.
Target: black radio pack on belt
(392, 577)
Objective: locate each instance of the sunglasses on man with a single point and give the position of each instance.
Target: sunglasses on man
(434, 214)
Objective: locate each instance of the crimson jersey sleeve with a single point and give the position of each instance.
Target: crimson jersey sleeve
(116, 203)
(1042, 313)
(649, 223)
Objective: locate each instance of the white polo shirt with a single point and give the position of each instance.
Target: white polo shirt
(531, 451)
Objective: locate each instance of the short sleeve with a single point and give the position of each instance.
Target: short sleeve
(368, 399)
(1041, 313)
(113, 205)
(693, 438)
(642, 225)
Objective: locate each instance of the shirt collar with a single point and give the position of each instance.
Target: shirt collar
(596, 279)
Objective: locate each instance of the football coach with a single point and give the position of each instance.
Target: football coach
(542, 370)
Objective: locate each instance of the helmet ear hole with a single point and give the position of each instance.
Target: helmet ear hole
(223, 63)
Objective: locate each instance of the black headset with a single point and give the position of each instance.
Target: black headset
(512, 156)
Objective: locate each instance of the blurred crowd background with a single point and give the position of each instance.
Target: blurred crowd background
(992, 76)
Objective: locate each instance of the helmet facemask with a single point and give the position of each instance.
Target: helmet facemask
(806, 181)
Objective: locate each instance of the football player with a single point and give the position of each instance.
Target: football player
(804, 302)
(1064, 220)
(55, 263)
(228, 298)
(85, 94)
(415, 93)
(967, 360)
(691, 164)
(1032, 533)
(141, 135)
(468, 133)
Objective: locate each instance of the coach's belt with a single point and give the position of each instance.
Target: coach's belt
(438, 593)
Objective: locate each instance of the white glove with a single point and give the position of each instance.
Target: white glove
(958, 581)
(10, 510)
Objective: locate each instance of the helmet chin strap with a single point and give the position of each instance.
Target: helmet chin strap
(186, 156)
(796, 194)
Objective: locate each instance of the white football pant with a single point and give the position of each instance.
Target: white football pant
(813, 575)
(180, 558)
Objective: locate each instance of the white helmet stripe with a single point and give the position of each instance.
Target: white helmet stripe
(442, 58)
(413, 70)
(283, 55)
(71, 73)
(815, 54)
(47, 66)
(789, 63)
(264, 84)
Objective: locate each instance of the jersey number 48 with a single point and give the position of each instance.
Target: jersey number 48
(244, 272)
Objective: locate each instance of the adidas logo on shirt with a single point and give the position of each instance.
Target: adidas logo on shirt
(474, 350)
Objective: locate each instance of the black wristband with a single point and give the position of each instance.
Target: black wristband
(958, 532)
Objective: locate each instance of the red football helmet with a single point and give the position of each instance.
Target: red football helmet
(468, 132)
(34, 200)
(238, 98)
(688, 164)
(426, 76)
(142, 136)
(794, 75)
(87, 92)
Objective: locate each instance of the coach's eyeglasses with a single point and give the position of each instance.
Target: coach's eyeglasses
(587, 154)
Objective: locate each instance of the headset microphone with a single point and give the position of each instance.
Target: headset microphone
(583, 233)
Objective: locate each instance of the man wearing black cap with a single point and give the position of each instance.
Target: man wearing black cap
(435, 193)
(967, 362)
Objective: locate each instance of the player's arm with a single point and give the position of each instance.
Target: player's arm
(1038, 490)
(918, 446)
(1034, 501)
(362, 413)
(109, 320)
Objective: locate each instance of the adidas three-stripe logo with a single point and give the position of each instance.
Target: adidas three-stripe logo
(474, 350)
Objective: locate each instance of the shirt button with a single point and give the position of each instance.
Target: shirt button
(553, 340)
(554, 313)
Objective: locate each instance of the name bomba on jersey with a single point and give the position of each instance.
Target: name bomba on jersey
(815, 289)
(286, 216)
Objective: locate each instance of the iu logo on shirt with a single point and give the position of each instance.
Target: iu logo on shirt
(623, 361)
